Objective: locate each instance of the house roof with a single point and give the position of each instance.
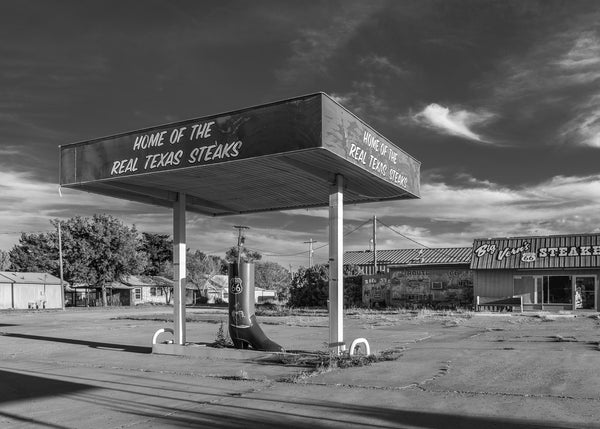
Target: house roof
(28, 278)
(216, 282)
(423, 256)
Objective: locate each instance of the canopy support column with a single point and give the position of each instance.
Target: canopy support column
(179, 268)
(336, 266)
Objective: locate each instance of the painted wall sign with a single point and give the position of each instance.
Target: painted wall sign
(537, 252)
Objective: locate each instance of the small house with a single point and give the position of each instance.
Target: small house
(30, 290)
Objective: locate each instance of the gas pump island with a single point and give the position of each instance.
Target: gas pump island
(302, 152)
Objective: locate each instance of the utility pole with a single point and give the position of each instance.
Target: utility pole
(241, 240)
(60, 263)
(374, 244)
(310, 252)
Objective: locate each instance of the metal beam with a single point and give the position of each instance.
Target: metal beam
(179, 271)
(336, 266)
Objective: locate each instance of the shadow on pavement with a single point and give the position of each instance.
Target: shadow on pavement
(238, 409)
(16, 386)
(93, 344)
(298, 415)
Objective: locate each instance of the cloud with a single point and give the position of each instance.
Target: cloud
(453, 215)
(558, 78)
(315, 46)
(383, 64)
(457, 123)
(581, 63)
(584, 127)
(364, 101)
(447, 215)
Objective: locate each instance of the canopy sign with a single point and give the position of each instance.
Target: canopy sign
(294, 144)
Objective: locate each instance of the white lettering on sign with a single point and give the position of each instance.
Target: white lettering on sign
(201, 130)
(146, 141)
(542, 252)
(545, 252)
(124, 166)
(155, 141)
(399, 178)
(491, 248)
(159, 138)
(215, 151)
(358, 154)
(167, 159)
(377, 156)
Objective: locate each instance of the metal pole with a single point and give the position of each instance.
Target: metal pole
(336, 266)
(310, 252)
(374, 244)
(179, 268)
(240, 229)
(60, 262)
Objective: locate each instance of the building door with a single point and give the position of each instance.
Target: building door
(584, 290)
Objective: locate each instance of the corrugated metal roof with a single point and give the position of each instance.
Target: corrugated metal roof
(424, 256)
(29, 278)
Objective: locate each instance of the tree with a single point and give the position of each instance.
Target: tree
(159, 251)
(272, 276)
(310, 287)
(247, 255)
(99, 250)
(202, 267)
(4, 260)
(35, 252)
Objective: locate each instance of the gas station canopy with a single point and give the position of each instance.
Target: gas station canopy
(277, 156)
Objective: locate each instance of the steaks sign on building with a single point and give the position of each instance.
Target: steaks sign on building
(552, 272)
(568, 251)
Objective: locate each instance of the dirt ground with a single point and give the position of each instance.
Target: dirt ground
(92, 368)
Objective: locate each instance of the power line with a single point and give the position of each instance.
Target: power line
(415, 241)
(319, 247)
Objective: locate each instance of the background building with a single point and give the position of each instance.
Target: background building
(428, 277)
(30, 290)
(558, 272)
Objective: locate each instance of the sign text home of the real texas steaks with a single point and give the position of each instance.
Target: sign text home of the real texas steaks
(169, 149)
(379, 157)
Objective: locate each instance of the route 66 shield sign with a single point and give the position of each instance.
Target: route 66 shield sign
(236, 286)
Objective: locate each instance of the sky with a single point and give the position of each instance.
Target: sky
(499, 101)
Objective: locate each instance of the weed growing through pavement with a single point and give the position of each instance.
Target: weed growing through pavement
(324, 362)
(222, 339)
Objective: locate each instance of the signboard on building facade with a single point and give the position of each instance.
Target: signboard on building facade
(559, 251)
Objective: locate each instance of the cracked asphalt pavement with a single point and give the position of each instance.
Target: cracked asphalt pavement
(92, 368)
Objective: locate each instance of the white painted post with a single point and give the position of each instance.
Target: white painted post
(336, 266)
(179, 271)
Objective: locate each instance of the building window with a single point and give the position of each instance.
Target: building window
(558, 290)
(138, 294)
(544, 289)
(152, 291)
